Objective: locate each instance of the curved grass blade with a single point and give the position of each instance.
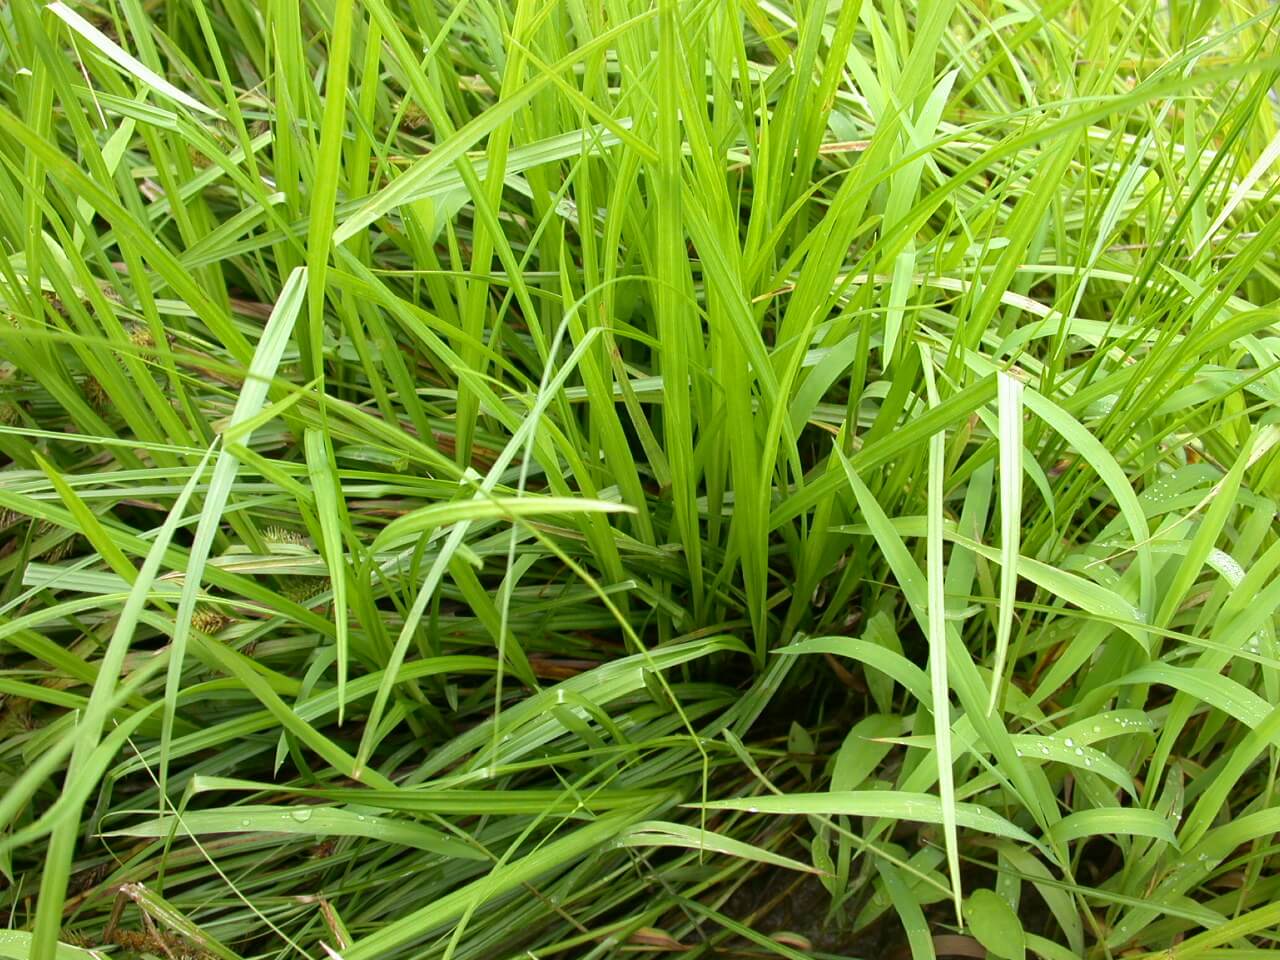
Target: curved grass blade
(130, 64)
(889, 805)
(1009, 404)
(303, 820)
(331, 512)
(940, 687)
(262, 369)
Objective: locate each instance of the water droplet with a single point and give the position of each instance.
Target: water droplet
(1069, 742)
(301, 814)
(1079, 751)
(1097, 728)
(1044, 750)
(360, 818)
(1018, 752)
(1088, 762)
(244, 823)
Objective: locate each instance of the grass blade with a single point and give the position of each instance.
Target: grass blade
(1009, 394)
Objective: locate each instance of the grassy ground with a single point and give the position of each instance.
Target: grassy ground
(526, 480)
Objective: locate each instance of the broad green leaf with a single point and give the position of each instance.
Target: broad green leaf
(862, 751)
(16, 945)
(994, 924)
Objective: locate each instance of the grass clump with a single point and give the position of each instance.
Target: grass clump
(566, 479)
